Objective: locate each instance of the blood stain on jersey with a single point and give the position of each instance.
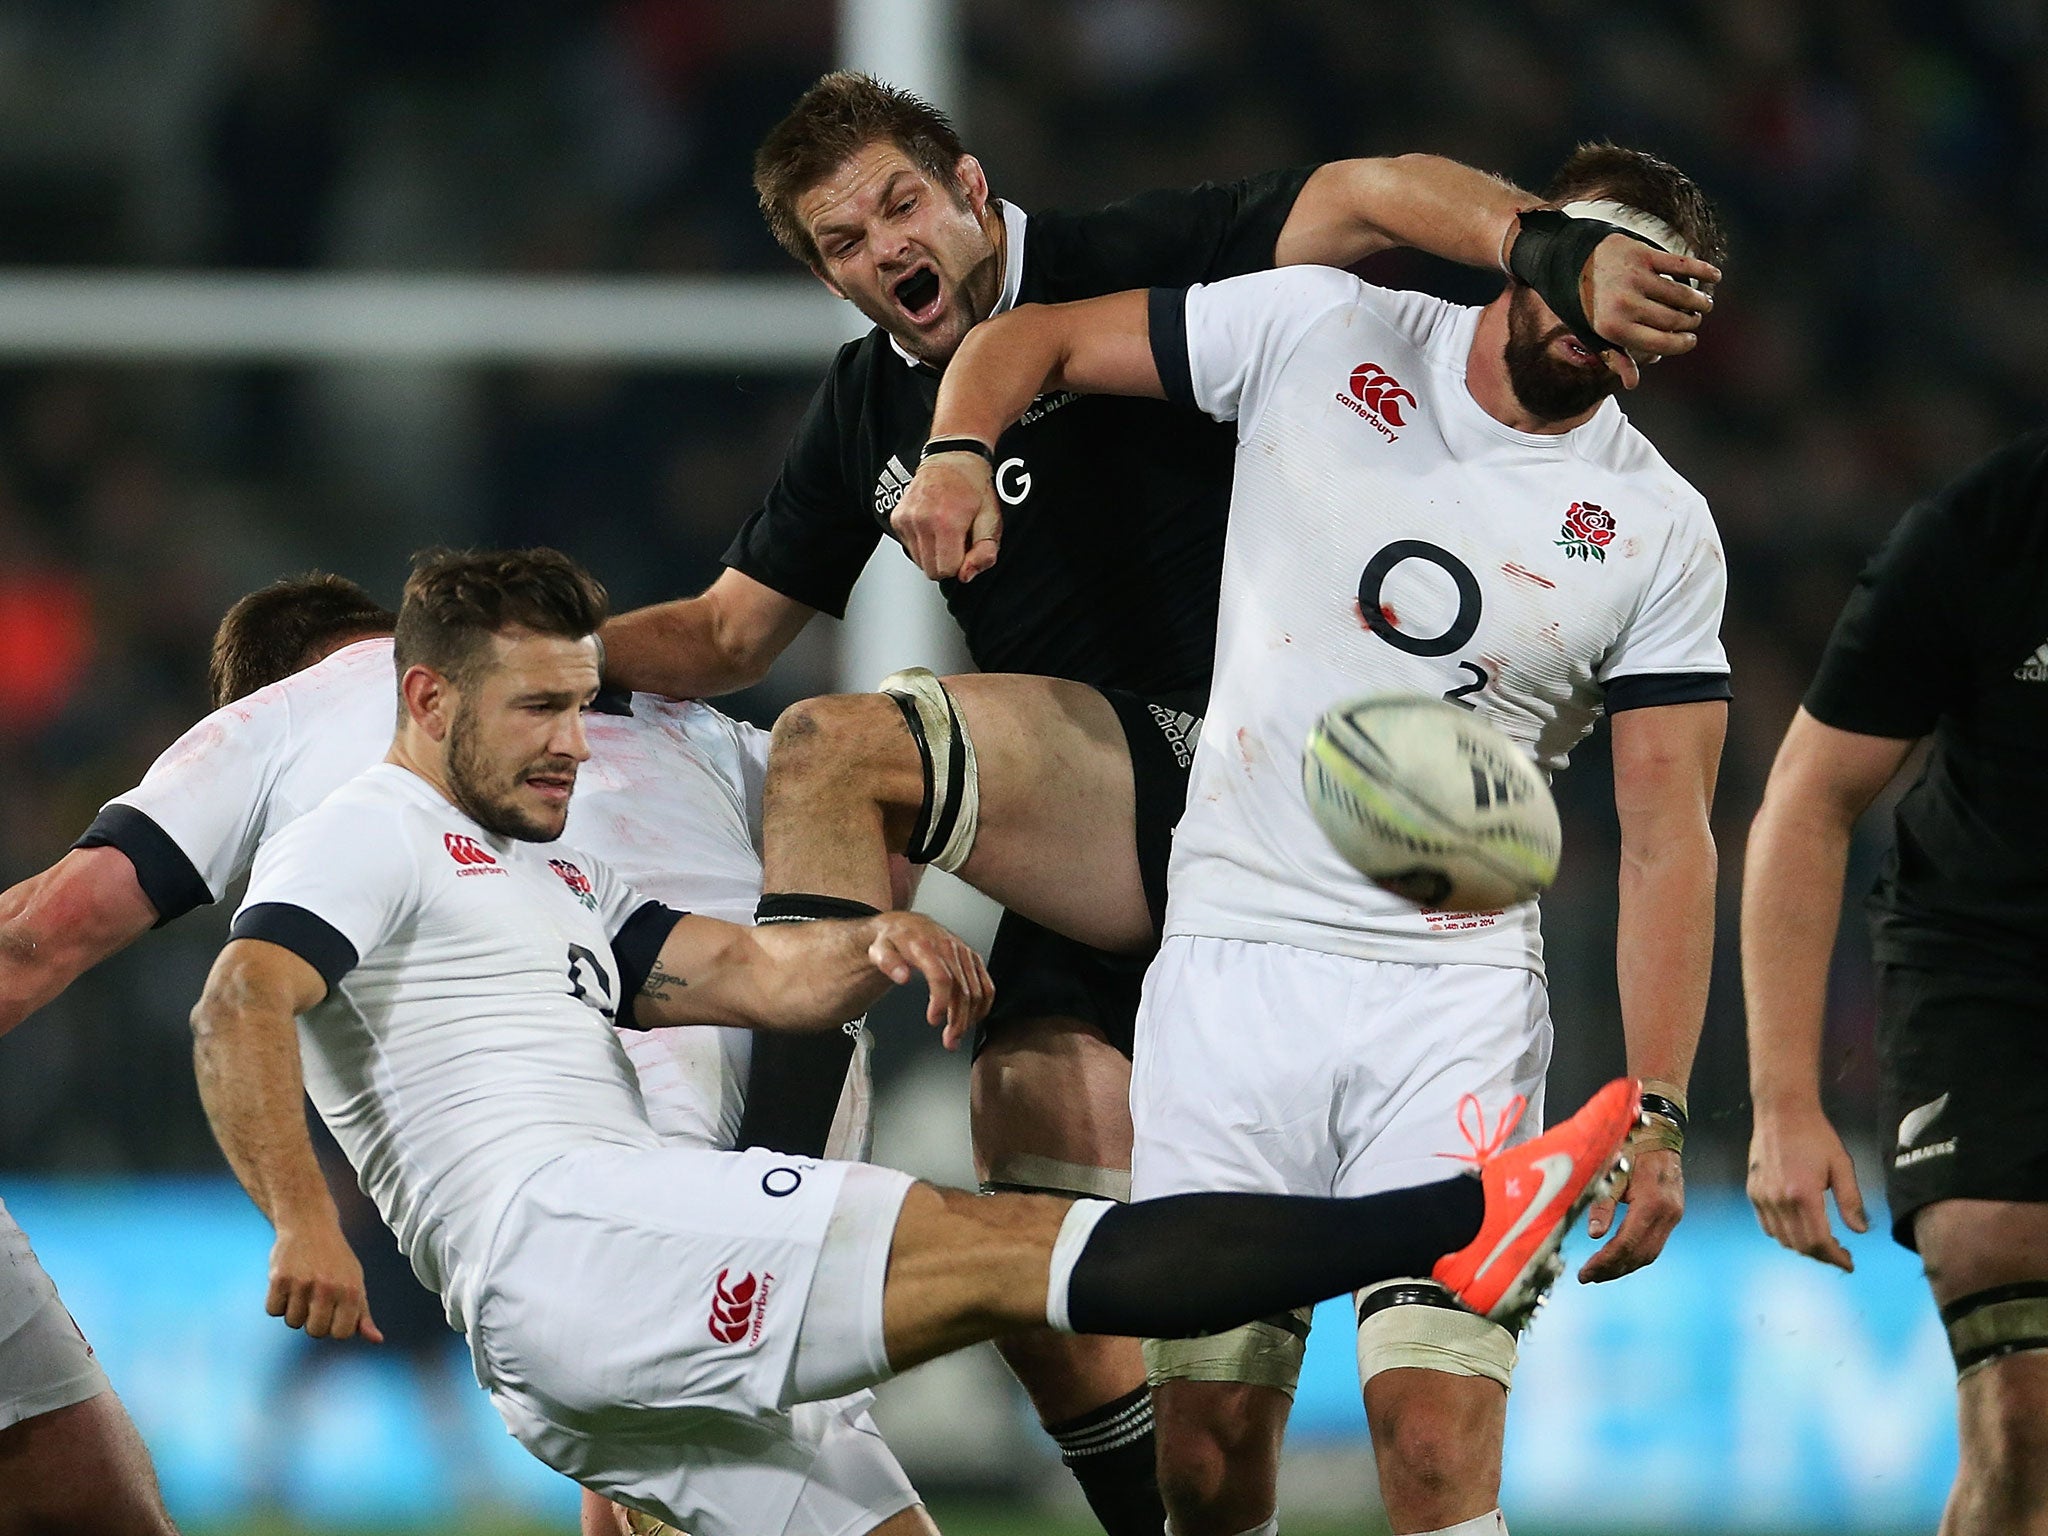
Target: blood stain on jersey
(577, 881)
(1588, 530)
(1387, 614)
(1523, 573)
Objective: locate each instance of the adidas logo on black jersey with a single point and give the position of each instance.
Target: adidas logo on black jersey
(1182, 730)
(889, 488)
(2035, 668)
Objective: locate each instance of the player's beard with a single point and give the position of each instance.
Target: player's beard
(484, 792)
(1549, 388)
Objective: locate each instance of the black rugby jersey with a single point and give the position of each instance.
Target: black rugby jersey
(1946, 635)
(1114, 509)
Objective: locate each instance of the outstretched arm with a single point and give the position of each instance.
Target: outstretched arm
(1352, 209)
(59, 924)
(698, 647)
(245, 1048)
(1822, 781)
(1666, 761)
(807, 976)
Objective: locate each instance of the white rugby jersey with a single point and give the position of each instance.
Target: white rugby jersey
(670, 799)
(472, 981)
(1388, 536)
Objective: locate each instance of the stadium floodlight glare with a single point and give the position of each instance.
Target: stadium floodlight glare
(757, 322)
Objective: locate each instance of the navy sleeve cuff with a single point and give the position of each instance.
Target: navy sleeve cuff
(1167, 311)
(636, 946)
(167, 877)
(1646, 690)
(312, 938)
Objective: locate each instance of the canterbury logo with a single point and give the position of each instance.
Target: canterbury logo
(466, 850)
(737, 1307)
(1382, 392)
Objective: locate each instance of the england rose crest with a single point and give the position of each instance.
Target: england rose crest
(576, 880)
(1587, 530)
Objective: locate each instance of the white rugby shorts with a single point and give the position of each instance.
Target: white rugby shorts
(1262, 1068)
(650, 1322)
(45, 1362)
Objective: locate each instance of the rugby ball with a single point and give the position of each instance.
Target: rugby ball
(1431, 802)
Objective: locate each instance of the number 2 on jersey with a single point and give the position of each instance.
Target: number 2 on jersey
(1471, 602)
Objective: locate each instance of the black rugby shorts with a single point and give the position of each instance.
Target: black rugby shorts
(1039, 974)
(1964, 1057)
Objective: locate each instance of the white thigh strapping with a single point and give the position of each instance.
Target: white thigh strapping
(1266, 1068)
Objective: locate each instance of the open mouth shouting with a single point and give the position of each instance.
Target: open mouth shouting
(920, 296)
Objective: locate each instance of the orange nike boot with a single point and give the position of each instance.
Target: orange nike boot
(1533, 1194)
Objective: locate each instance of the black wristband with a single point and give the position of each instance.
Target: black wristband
(1666, 1109)
(807, 907)
(973, 445)
(1550, 253)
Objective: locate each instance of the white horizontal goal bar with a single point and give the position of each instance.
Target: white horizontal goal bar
(220, 317)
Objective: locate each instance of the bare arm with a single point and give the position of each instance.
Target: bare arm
(949, 519)
(698, 647)
(59, 924)
(1823, 780)
(245, 1048)
(1352, 209)
(809, 976)
(1666, 762)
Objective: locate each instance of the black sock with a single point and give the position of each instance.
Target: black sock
(1109, 1450)
(1194, 1264)
(794, 1082)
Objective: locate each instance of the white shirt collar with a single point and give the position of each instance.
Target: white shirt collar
(1013, 269)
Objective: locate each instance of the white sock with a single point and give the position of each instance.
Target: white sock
(1492, 1523)
(1074, 1232)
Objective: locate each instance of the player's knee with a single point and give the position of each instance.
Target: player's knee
(846, 738)
(2007, 1422)
(1434, 1435)
(1218, 1453)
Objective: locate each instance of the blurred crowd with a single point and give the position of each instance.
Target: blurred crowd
(1884, 321)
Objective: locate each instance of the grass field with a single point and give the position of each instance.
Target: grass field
(954, 1518)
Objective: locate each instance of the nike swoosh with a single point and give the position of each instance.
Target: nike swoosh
(1917, 1120)
(1557, 1171)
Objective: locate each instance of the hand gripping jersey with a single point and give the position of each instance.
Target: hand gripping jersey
(670, 799)
(472, 978)
(1388, 536)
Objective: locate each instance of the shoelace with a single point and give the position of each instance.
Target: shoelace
(1472, 1126)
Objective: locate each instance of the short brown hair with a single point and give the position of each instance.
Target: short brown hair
(834, 120)
(279, 629)
(456, 600)
(1643, 181)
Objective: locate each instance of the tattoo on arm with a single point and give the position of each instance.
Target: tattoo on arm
(661, 983)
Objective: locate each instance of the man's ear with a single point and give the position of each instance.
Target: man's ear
(972, 181)
(429, 700)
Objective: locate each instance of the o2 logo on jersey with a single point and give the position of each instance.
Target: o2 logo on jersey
(1378, 398)
(738, 1307)
(1378, 615)
(472, 856)
(1013, 481)
(577, 881)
